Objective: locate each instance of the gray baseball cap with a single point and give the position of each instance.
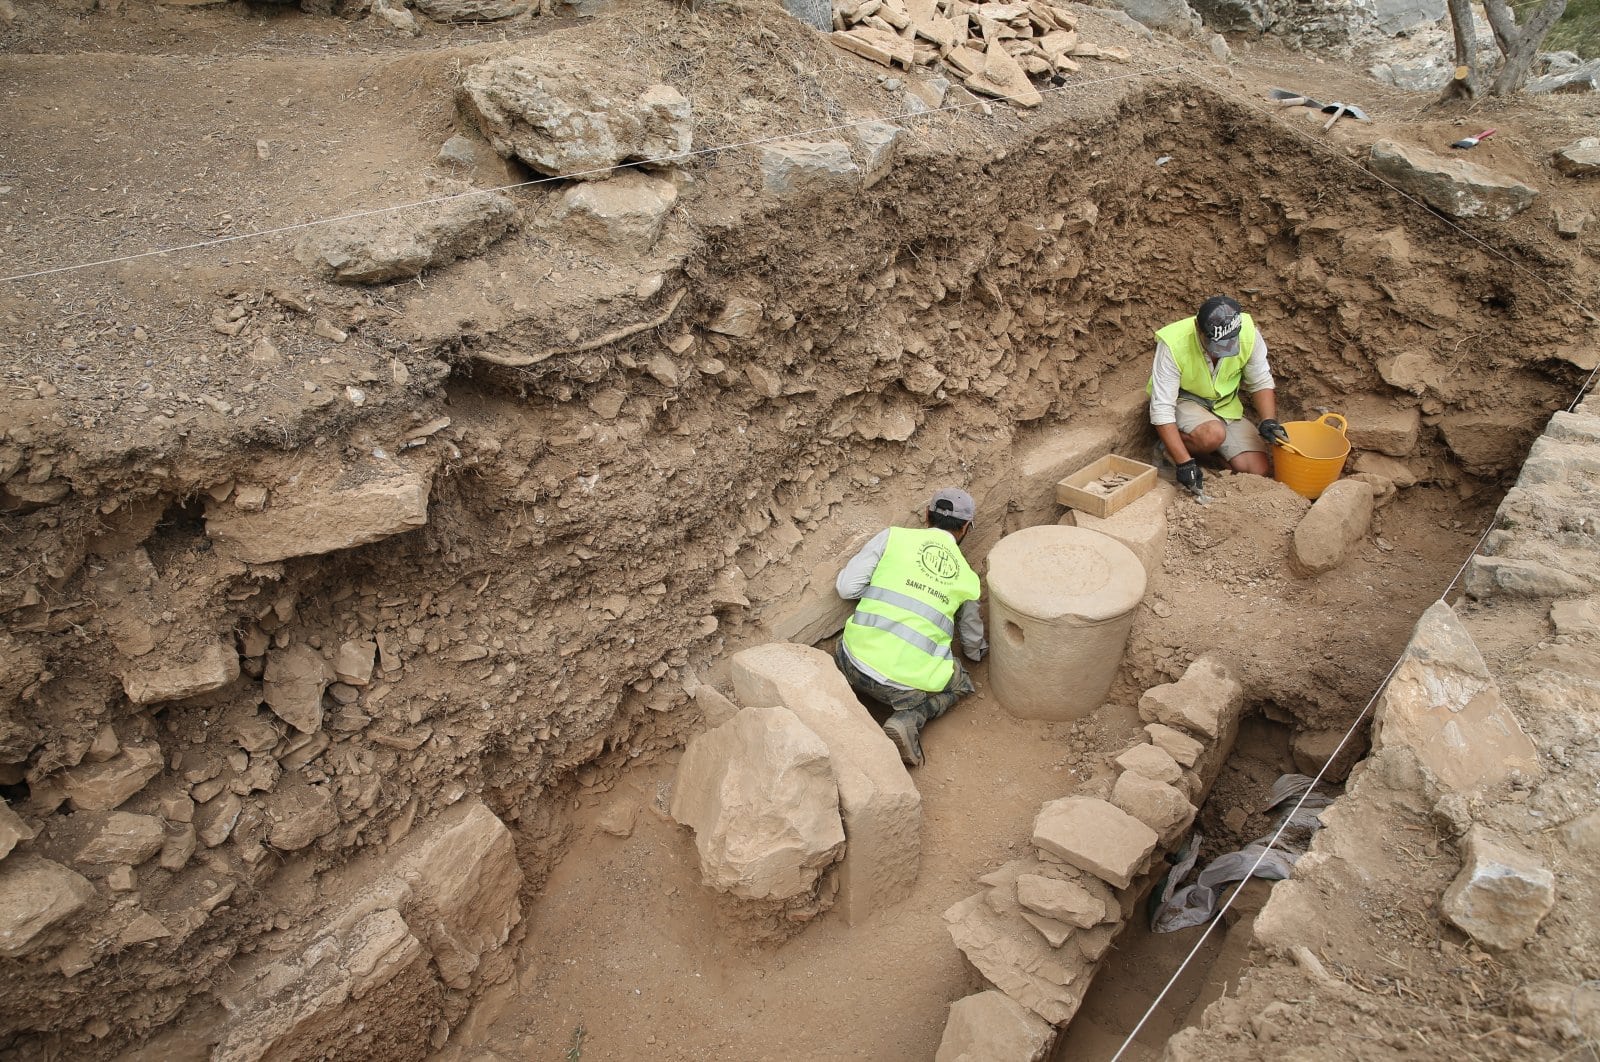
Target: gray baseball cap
(1219, 324)
(953, 501)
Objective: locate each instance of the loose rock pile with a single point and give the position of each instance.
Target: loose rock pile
(995, 48)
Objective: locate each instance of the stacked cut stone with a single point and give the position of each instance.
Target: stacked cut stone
(995, 48)
(1465, 745)
(1041, 926)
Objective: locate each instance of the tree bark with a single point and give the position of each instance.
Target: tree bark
(1519, 44)
(1464, 85)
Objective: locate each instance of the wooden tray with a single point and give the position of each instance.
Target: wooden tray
(1071, 491)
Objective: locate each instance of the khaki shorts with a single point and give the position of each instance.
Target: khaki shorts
(1242, 435)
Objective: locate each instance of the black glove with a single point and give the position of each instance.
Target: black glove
(1189, 476)
(1272, 431)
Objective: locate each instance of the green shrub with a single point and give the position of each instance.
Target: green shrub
(1578, 31)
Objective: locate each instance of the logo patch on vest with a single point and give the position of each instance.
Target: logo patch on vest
(936, 559)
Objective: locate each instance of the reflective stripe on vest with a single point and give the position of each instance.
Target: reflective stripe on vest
(903, 625)
(1194, 367)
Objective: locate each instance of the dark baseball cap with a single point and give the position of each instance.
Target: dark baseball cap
(953, 501)
(1219, 323)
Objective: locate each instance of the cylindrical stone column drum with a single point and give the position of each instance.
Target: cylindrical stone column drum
(1061, 603)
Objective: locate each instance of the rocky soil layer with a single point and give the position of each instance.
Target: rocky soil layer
(308, 540)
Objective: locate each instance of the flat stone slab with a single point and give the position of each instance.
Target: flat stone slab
(324, 515)
(881, 808)
(1581, 158)
(1151, 762)
(1459, 188)
(1064, 901)
(1184, 750)
(155, 677)
(103, 786)
(1095, 836)
(992, 1027)
(1445, 708)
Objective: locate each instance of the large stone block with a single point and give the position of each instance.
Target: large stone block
(803, 168)
(1152, 762)
(1581, 158)
(1459, 188)
(759, 793)
(1382, 426)
(1156, 804)
(1490, 442)
(155, 677)
(124, 838)
(1064, 901)
(1205, 701)
(404, 243)
(556, 115)
(1501, 894)
(1515, 577)
(35, 894)
(627, 211)
(104, 786)
(1332, 526)
(324, 515)
(881, 808)
(1141, 526)
(1095, 836)
(463, 867)
(1445, 708)
(991, 1027)
(13, 831)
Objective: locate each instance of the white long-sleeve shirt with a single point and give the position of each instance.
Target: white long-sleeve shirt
(857, 576)
(1164, 396)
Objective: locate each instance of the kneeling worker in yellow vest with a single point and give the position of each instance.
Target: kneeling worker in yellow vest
(916, 591)
(1201, 363)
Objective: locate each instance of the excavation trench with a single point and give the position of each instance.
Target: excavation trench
(604, 531)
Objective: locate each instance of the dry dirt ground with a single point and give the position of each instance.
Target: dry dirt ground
(604, 536)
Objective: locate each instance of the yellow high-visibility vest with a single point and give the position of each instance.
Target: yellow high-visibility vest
(904, 622)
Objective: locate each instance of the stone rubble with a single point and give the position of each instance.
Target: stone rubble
(994, 48)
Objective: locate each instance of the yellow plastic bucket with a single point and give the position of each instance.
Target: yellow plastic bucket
(1323, 448)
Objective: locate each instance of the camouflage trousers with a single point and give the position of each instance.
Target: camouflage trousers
(926, 706)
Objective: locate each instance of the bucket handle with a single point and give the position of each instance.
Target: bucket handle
(1327, 417)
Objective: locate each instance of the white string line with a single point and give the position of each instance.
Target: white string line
(1328, 149)
(1348, 734)
(904, 116)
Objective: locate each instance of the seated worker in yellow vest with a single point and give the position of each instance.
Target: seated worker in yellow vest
(916, 591)
(1200, 364)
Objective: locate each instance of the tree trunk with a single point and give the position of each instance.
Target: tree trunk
(1464, 85)
(1520, 44)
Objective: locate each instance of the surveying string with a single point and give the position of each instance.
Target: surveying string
(902, 117)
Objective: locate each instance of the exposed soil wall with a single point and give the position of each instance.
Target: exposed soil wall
(605, 519)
